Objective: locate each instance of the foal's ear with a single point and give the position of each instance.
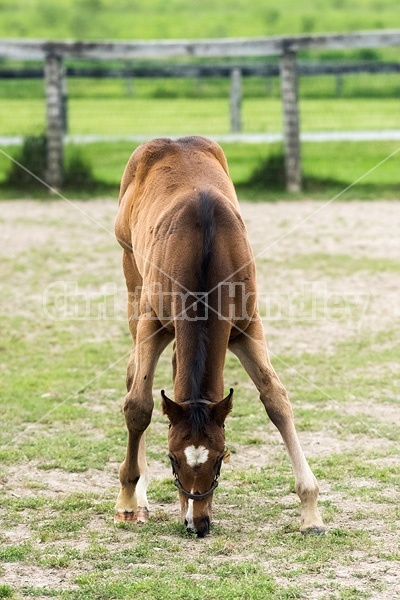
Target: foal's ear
(174, 411)
(221, 410)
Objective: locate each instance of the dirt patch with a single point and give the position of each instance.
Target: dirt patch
(57, 224)
(30, 576)
(56, 481)
(368, 302)
(358, 229)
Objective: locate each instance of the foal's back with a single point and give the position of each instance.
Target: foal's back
(160, 213)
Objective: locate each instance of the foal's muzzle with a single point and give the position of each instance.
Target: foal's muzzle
(202, 526)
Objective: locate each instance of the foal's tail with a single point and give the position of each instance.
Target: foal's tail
(207, 225)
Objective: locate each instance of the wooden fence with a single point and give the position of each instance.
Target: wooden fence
(235, 72)
(53, 53)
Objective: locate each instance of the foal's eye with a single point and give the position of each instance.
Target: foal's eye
(186, 438)
(173, 460)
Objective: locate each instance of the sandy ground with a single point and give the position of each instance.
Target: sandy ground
(279, 232)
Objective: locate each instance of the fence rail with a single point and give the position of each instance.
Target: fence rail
(204, 70)
(228, 47)
(54, 52)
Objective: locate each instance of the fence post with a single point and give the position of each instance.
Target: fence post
(53, 72)
(291, 122)
(64, 99)
(236, 100)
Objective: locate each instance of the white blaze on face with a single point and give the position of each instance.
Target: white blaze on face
(196, 456)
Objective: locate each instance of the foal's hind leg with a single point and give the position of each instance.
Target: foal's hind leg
(251, 349)
(134, 287)
(151, 340)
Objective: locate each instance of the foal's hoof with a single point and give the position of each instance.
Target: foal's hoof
(142, 514)
(314, 531)
(125, 517)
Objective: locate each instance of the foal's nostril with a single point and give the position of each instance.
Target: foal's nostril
(203, 528)
(208, 524)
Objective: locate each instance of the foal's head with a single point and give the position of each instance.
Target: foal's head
(196, 450)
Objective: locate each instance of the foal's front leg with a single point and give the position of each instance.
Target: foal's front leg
(151, 340)
(251, 349)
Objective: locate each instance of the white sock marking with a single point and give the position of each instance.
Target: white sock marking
(196, 456)
(189, 514)
(141, 492)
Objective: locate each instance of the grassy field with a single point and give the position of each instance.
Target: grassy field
(97, 19)
(333, 329)
(207, 116)
(328, 169)
(351, 160)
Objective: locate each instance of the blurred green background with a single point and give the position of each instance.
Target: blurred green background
(158, 19)
(109, 107)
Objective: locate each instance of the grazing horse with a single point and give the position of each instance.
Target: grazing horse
(190, 275)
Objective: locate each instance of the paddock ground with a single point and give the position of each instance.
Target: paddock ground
(328, 279)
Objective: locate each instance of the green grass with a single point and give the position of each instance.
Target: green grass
(5, 591)
(152, 116)
(103, 108)
(353, 86)
(328, 168)
(340, 265)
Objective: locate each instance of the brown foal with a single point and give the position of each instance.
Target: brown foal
(190, 275)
